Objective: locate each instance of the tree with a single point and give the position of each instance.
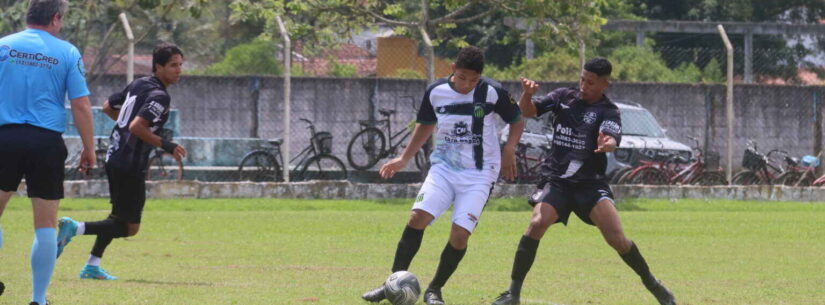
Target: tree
(93, 25)
(772, 54)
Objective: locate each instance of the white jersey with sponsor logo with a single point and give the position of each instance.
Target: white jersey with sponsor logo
(466, 135)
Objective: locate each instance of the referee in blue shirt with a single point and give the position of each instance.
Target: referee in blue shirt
(38, 71)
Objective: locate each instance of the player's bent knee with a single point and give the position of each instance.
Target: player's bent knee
(419, 219)
(133, 229)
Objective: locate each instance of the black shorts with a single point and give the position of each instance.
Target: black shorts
(35, 153)
(576, 197)
(127, 191)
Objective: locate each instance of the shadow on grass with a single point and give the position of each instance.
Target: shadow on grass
(170, 283)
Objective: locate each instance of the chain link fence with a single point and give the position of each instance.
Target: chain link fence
(670, 122)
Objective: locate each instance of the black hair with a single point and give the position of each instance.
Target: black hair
(470, 58)
(162, 53)
(599, 65)
(41, 12)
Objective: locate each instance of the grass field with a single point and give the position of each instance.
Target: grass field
(264, 251)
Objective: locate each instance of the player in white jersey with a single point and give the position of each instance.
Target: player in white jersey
(466, 162)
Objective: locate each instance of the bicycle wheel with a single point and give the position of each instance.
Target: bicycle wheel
(323, 167)
(260, 166)
(788, 178)
(746, 177)
(650, 175)
(366, 148)
(99, 172)
(710, 178)
(618, 175)
(164, 167)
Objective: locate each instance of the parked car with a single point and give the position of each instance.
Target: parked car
(642, 138)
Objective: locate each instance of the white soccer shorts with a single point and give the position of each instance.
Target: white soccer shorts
(467, 190)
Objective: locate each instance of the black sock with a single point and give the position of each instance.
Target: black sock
(525, 255)
(101, 242)
(407, 248)
(450, 258)
(108, 226)
(635, 260)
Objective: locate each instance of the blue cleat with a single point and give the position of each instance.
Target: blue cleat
(67, 229)
(96, 273)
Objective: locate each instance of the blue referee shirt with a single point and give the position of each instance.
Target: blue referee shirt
(37, 71)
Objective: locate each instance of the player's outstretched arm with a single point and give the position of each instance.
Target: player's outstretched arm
(605, 143)
(82, 114)
(528, 89)
(420, 135)
(140, 128)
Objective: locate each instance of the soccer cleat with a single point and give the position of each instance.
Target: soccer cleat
(35, 303)
(376, 295)
(507, 298)
(2, 288)
(68, 229)
(433, 297)
(96, 273)
(664, 296)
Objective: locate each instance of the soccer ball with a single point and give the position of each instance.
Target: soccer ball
(402, 288)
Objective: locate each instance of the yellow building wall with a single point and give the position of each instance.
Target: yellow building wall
(396, 53)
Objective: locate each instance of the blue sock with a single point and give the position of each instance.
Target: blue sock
(1, 237)
(44, 255)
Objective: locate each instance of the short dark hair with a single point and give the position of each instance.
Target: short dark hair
(599, 65)
(470, 58)
(162, 53)
(41, 12)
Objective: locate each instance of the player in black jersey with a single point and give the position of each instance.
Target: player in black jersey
(586, 125)
(140, 111)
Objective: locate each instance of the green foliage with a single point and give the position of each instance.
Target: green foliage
(254, 58)
(408, 73)
(551, 66)
(338, 69)
(633, 64)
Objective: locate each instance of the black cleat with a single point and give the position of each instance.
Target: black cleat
(507, 298)
(2, 288)
(664, 296)
(35, 303)
(375, 295)
(433, 297)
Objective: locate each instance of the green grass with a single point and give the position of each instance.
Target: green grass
(264, 251)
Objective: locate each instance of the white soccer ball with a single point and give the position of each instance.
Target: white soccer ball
(402, 288)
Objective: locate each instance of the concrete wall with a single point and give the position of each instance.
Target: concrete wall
(348, 190)
(773, 116)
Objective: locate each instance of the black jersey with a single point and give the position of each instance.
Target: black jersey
(576, 126)
(145, 97)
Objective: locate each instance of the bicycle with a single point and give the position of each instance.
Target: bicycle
(801, 173)
(163, 165)
(702, 170)
(316, 161)
(369, 145)
(761, 169)
(529, 166)
(73, 172)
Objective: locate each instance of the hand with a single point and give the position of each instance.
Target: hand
(605, 143)
(88, 160)
(393, 166)
(179, 153)
(529, 87)
(508, 163)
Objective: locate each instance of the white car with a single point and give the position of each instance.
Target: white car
(642, 138)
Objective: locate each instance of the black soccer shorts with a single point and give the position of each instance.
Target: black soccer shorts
(127, 191)
(35, 153)
(576, 197)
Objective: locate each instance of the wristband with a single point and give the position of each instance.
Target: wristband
(168, 146)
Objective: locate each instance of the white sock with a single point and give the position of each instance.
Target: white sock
(93, 261)
(81, 228)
